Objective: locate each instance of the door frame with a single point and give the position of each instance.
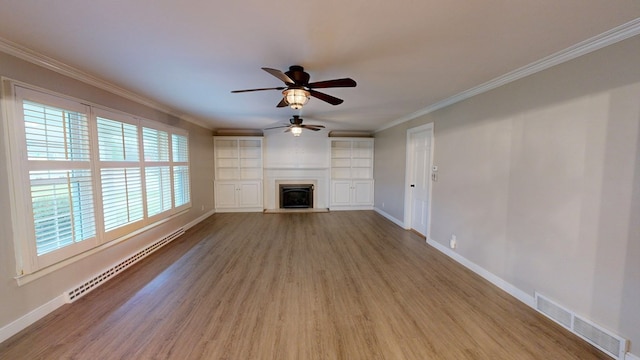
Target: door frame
(409, 175)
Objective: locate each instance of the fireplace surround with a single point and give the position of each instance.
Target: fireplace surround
(274, 177)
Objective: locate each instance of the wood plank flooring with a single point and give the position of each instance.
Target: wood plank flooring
(339, 285)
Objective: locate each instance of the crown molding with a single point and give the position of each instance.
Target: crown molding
(622, 32)
(46, 62)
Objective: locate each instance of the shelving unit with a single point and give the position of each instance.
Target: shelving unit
(238, 173)
(351, 173)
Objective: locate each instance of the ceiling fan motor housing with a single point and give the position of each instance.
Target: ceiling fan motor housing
(295, 120)
(298, 75)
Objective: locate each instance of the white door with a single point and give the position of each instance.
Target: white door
(419, 143)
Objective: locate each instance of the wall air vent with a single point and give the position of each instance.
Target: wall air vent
(84, 288)
(553, 311)
(610, 343)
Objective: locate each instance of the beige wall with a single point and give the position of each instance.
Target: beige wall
(540, 182)
(17, 301)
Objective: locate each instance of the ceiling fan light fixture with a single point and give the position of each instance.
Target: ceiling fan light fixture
(296, 98)
(296, 130)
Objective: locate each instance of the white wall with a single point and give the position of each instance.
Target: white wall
(540, 182)
(283, 150)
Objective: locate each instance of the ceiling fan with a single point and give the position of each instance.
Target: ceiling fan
(298, 88)
(296, 126)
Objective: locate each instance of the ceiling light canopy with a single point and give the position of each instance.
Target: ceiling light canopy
(296, 98)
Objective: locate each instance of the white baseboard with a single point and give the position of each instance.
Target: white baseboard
(198, 220)
(390, 218)
(23, 322)
(495, 280)
(630, 356)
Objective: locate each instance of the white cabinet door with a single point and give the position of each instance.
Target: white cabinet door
(340, 192)
(225, 194)
(354, 194)
(250, 194)
(362, 192)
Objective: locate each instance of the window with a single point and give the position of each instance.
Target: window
(84, 176)
(157, 170)
(120, 172)
(181, 186)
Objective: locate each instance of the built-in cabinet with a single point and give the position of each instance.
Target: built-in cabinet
(351, 173)
(238, 173)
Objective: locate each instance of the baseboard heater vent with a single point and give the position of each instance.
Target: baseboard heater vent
(610, 343)
(84, 288)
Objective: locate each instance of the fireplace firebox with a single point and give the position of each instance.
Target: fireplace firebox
(296, 196)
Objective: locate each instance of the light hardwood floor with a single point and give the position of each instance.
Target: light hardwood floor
(339, 285)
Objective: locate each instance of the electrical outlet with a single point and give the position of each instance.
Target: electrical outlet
(453, 242)
(383, 205)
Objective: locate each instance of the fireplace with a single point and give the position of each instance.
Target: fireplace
(296, 196)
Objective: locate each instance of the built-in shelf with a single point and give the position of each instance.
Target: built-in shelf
(351, 173)
(238, 173)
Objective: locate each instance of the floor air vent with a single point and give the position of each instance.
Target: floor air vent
(611, 344)
(84, 288)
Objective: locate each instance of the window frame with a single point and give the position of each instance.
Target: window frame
(28, 263)
(28, 260)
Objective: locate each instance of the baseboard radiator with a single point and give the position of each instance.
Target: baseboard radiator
(95, 281)
(610, 343)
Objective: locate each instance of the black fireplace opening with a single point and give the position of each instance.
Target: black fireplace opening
(296, 196)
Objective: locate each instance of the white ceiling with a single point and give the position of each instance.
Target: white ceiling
(405, 55)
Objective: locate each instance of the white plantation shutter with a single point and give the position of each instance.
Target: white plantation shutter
(180, 157)
(121, 196)
(156, 145)
(62, 204)
(181, 186)
(120, 172)
(158, 184)
(57, 144)
(157, 170)
(55, 134)
(118, 140)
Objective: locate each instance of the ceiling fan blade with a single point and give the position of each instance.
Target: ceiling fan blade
(310, 127)
(346, 82)
(277, 127)
(313, 126)
(248, 90)
(289, 129)
(283, 103)
(324, 97)
(280, 75)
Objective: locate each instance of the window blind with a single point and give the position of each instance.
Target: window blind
(157, 170)
(122, 201)
(180, 156)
